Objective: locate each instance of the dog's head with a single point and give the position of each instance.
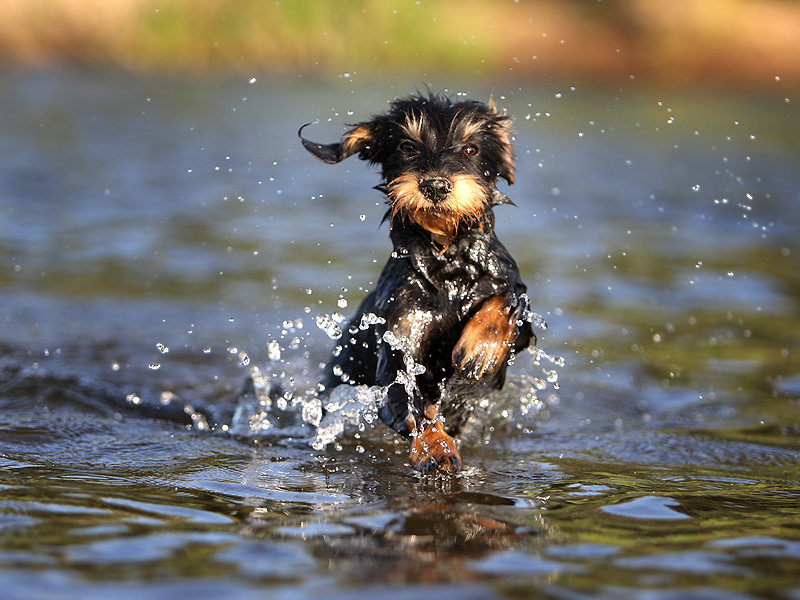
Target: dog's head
(440, 160)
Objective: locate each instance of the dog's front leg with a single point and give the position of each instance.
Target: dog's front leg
(406, 409)
(486, 339)
(432, 449)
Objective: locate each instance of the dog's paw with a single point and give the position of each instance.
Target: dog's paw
(432, 450)
(486, 340)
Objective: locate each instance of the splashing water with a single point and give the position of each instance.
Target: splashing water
(408, 378)
(551, 375)
(273, 351)
(394, 342)
(331, 324)
(346, 406)
(370, 319)
(267, 409)
(526, 314)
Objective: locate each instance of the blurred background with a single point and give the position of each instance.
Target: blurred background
(681, 42)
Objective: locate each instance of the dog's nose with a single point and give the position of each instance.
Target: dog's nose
(435, 189)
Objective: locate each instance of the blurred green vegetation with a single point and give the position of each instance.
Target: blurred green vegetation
(677, 42)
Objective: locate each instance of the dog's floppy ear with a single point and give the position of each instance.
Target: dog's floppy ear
(502, 123)
(356, 140)
(506, 155)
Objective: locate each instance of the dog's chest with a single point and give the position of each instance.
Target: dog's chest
(464, 273)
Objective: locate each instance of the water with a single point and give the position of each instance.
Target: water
(161, 240)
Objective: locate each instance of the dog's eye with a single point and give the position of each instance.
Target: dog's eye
(406, 147)
(470, 150)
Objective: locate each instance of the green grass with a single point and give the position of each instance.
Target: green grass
(701, 41)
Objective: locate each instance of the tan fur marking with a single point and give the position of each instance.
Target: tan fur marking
(507, 153)
(357, 139)
(504, 123)
(468, 197)
(465, 204)
(431, 448)
(471, 128)
(414, 126)
(486, 340)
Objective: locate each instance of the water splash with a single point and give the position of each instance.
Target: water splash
(270, 407)
(347, 406)
(551, 376)
(526, 314)
(273, 351)
(266, 408)
(369, 319)
(331, 324)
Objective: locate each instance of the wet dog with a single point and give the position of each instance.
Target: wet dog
(450, 309)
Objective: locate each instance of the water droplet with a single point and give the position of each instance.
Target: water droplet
(273, 350)
(341, 303)
(329, 326)
(162, 348)
(370, 319)
(393, 341)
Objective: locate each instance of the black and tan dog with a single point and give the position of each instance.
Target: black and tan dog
(450, 298)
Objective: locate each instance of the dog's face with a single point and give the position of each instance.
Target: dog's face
(440, 160)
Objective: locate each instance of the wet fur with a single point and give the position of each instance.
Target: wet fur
(451, 292)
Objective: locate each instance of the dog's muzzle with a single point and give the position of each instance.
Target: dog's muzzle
(435, 189)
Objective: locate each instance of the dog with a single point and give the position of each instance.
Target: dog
(450, 308)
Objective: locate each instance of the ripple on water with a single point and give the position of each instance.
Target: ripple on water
(267, 559)
(646, 507)
(519, 562)
(695, 562)
(192, 515)
(142, 549)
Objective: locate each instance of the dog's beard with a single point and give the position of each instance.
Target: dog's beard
(465, 203)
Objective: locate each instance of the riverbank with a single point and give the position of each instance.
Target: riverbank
(686, 42)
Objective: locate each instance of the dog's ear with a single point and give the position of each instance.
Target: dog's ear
(506, 153)
(357, 140)
(502, 126)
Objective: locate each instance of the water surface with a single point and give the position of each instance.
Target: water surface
(161, 239)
